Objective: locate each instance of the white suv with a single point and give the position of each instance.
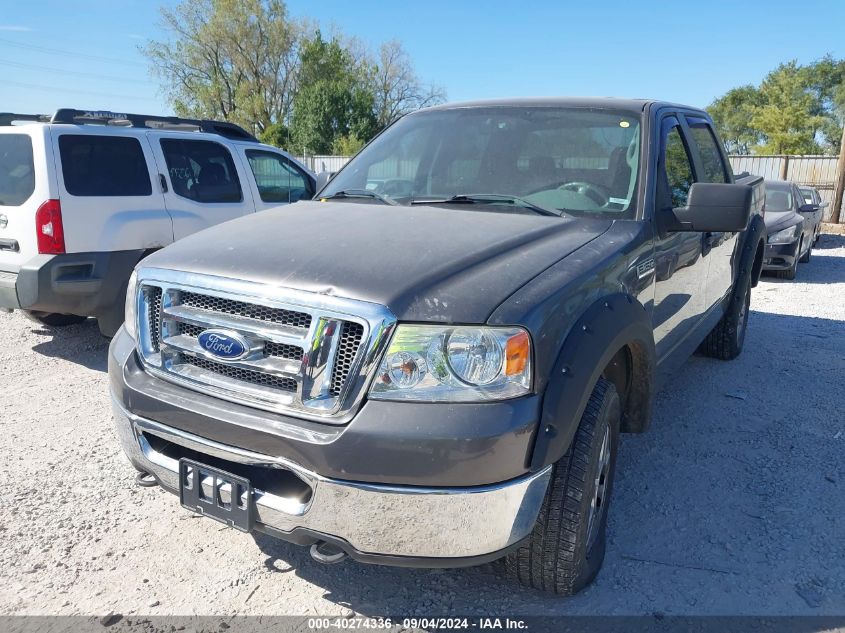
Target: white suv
(85, 195)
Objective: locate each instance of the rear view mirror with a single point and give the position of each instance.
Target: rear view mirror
(715, 207)
(809, 208)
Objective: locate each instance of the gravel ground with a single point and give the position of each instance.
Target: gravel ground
(732, 503)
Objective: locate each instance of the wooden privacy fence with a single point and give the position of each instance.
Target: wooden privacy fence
(815, 171)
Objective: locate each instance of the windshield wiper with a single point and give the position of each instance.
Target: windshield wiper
(361, 193)
(480, 198)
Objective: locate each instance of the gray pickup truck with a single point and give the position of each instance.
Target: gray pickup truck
(430, 364)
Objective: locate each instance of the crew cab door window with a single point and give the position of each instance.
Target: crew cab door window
(712, 166)
(202, 171)
(276, 178)
(677, 167)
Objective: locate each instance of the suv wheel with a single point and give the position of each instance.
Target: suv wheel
(54, 319)
(566, 548)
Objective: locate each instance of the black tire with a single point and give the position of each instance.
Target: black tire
(806, 256)
(54, 319)
(565, 551)
(789, 273)
(725, 341)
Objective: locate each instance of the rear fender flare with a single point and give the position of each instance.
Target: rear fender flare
(608, 325)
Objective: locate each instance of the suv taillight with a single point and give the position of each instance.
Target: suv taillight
(49, 229)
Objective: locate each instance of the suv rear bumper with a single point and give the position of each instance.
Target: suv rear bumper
(86, 284)
(398, 525)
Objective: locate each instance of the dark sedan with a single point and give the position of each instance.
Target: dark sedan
(813, 197)
(790, 233)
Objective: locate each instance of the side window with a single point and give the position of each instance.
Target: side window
(278, 180)
(17, 169)
(202, 171)
(708, 150)
(94, 165)
(677, 167)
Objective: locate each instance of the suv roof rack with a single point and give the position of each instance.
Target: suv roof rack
(105, 117)
(8, 118)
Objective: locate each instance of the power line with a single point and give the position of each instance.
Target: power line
(76, 73)
(54, 90)
(57, 51)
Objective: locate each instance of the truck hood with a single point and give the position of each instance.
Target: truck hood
(778, 220)
(452, 265)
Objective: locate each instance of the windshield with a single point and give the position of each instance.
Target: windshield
(576, 160)
(778, 199)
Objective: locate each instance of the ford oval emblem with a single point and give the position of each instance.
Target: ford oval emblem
(223, 344)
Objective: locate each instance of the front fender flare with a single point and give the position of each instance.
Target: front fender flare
(608, 325)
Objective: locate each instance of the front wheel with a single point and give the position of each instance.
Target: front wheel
(566, 548)
(54, 319)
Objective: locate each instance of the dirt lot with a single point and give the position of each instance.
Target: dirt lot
(733, 502)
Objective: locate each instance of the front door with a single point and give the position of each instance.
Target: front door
(680, 270)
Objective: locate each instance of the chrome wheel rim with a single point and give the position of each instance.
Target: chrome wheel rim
(600, 490)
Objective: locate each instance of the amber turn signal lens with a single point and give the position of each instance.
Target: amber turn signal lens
(517, 350)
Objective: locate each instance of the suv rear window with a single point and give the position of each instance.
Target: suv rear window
(202, 171)
(17, 171)
(95, 165)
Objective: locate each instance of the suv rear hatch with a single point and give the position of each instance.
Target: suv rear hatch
(24, 187)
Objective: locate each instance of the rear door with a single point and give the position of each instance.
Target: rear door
(718, 248)
(276, 179)
(25, 153)
(205, 184)
(110, 200)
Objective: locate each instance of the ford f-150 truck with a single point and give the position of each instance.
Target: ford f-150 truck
(430, 364)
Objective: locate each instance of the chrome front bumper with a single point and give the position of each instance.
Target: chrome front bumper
(373, 519)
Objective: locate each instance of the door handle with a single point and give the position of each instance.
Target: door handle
(163, 181)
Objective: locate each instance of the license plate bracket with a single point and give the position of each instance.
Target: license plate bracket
(215, 493)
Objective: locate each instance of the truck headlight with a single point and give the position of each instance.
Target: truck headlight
(785, 236)
(130, 312)
(454, 364)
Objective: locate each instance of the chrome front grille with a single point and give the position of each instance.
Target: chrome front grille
(307, 354)
(249, 310)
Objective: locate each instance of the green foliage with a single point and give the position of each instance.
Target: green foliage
(795, 110)
(248, 62)
(732, 115)
(234, 60)
(277, 134)
(333, 100)
(347, 145)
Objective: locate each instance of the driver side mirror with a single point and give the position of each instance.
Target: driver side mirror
(714, 207)
(808, 208)
(323, 179)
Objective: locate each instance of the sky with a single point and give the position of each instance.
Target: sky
(66, 54)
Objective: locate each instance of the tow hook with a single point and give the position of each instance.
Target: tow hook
(327, 553)
(145, 479)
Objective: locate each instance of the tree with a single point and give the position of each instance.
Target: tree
(796, 110)
(234, 60)
(396, 87)
(277, 134)
(732, 115)
(333, 101)
(786, 117)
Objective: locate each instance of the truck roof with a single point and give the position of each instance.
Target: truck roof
(615, 103)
